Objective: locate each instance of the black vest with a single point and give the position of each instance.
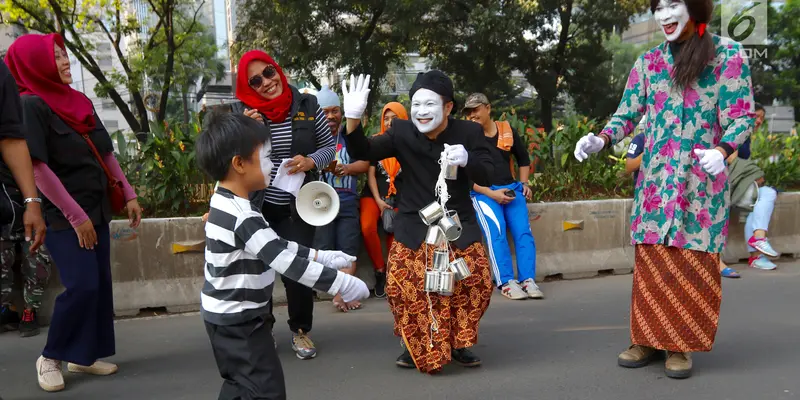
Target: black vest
(304, 119)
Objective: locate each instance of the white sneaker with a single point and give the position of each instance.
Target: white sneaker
(532, 289)
(49, 374)
(513, 291)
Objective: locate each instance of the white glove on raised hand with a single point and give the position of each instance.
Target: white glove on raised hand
(588, 144)
(353, 289)
(456, 155)
(335, 259)
(355, 99)
(713, 161)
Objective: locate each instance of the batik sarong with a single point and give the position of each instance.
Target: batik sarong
(676, 298)
(456, 317)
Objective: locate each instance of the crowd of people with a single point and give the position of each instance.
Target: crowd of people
(690, 166)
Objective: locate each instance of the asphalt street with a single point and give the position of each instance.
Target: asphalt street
(563, 347)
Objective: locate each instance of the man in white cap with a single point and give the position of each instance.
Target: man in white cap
(344, 233)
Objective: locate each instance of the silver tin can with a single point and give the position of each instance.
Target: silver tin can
(451, 228)
(447, 283)
(451, 172)
(441, 260)
(460, 269)
(431, 213)
(431, 281)
(435, 236)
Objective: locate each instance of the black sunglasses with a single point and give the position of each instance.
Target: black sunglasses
(256, 81)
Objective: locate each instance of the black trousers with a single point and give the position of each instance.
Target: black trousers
(288, 225)
(247, 360)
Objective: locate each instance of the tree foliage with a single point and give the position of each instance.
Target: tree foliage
(557, 45)
(324, 35)
(88, 23)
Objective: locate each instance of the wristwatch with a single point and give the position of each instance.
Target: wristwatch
(33, 200)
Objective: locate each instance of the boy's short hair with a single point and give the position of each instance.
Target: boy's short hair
(759, 107)
(224, 136)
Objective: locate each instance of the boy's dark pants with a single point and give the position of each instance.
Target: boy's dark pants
(247, 360)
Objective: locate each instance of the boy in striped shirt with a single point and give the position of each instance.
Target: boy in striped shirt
(242, 255)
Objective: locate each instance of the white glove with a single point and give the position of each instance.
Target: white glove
(353, 289)
(355, 99)
(713, 161)
(335, 259)
(456, 155)
(588, 144)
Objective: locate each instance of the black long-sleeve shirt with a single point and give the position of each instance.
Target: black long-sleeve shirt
(419, 157)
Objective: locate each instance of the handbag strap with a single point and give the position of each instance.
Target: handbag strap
(111, 179)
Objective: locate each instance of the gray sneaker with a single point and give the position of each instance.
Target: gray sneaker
(303, 346)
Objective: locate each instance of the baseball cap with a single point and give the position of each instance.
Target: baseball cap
(474, 100)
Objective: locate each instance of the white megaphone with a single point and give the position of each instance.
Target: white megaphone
(317, 203)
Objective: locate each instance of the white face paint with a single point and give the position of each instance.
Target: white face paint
(266, 162)
(673, 16)
(427, 110)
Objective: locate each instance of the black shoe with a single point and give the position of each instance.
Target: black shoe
(29, 326)
(9, 320)
(465, 357)
(405, 360)
(380, 285)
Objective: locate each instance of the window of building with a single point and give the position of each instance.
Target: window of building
(111, 124)
(104, 61)
(104, 47)
(109, 105)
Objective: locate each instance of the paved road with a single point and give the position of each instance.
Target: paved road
(564, 347)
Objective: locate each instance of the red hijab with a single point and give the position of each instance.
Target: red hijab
(32, 61)
(276, 109)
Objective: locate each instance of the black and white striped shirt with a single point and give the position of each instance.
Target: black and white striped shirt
(282, 148)
(242, 255)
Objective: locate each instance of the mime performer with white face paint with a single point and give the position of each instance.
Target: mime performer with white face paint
(696, 93)
(418, 145)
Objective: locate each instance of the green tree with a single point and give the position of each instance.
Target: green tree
(475, 43)
(563, 51)
(354, 36)
(86, 24)
(556, 44)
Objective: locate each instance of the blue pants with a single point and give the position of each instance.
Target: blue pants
(82, 328)
(762, 212)
(494, 219)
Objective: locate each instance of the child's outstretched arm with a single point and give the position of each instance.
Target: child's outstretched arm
(294, 261)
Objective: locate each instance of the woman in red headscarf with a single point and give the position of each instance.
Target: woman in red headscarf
(299, 132)
(380, 195)
(75, 169)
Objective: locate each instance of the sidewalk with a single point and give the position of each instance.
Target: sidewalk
(564, 347)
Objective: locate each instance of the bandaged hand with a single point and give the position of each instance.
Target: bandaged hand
(355, 98)
(456, 155)
(335, 259)
(712, 161)
(588, 144)
(352, 288)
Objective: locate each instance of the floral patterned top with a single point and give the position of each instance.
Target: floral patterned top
(676, 203)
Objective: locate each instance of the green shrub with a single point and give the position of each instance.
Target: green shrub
(163, 171)
(778, 155)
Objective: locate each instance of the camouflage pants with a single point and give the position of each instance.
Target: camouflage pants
(35, 268)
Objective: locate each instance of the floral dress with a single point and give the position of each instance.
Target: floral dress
(676, 202)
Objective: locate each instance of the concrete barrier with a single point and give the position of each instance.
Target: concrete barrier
(573, 240)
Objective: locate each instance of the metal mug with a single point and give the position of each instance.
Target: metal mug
(460, 269)
(446, 284)
(435, 236)
(441, 260)
(451, 228)
(431, 281)
(451, 172)
(431, 213)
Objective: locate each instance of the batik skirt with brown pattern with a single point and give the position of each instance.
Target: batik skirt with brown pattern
(676, 298)
(456, 317)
